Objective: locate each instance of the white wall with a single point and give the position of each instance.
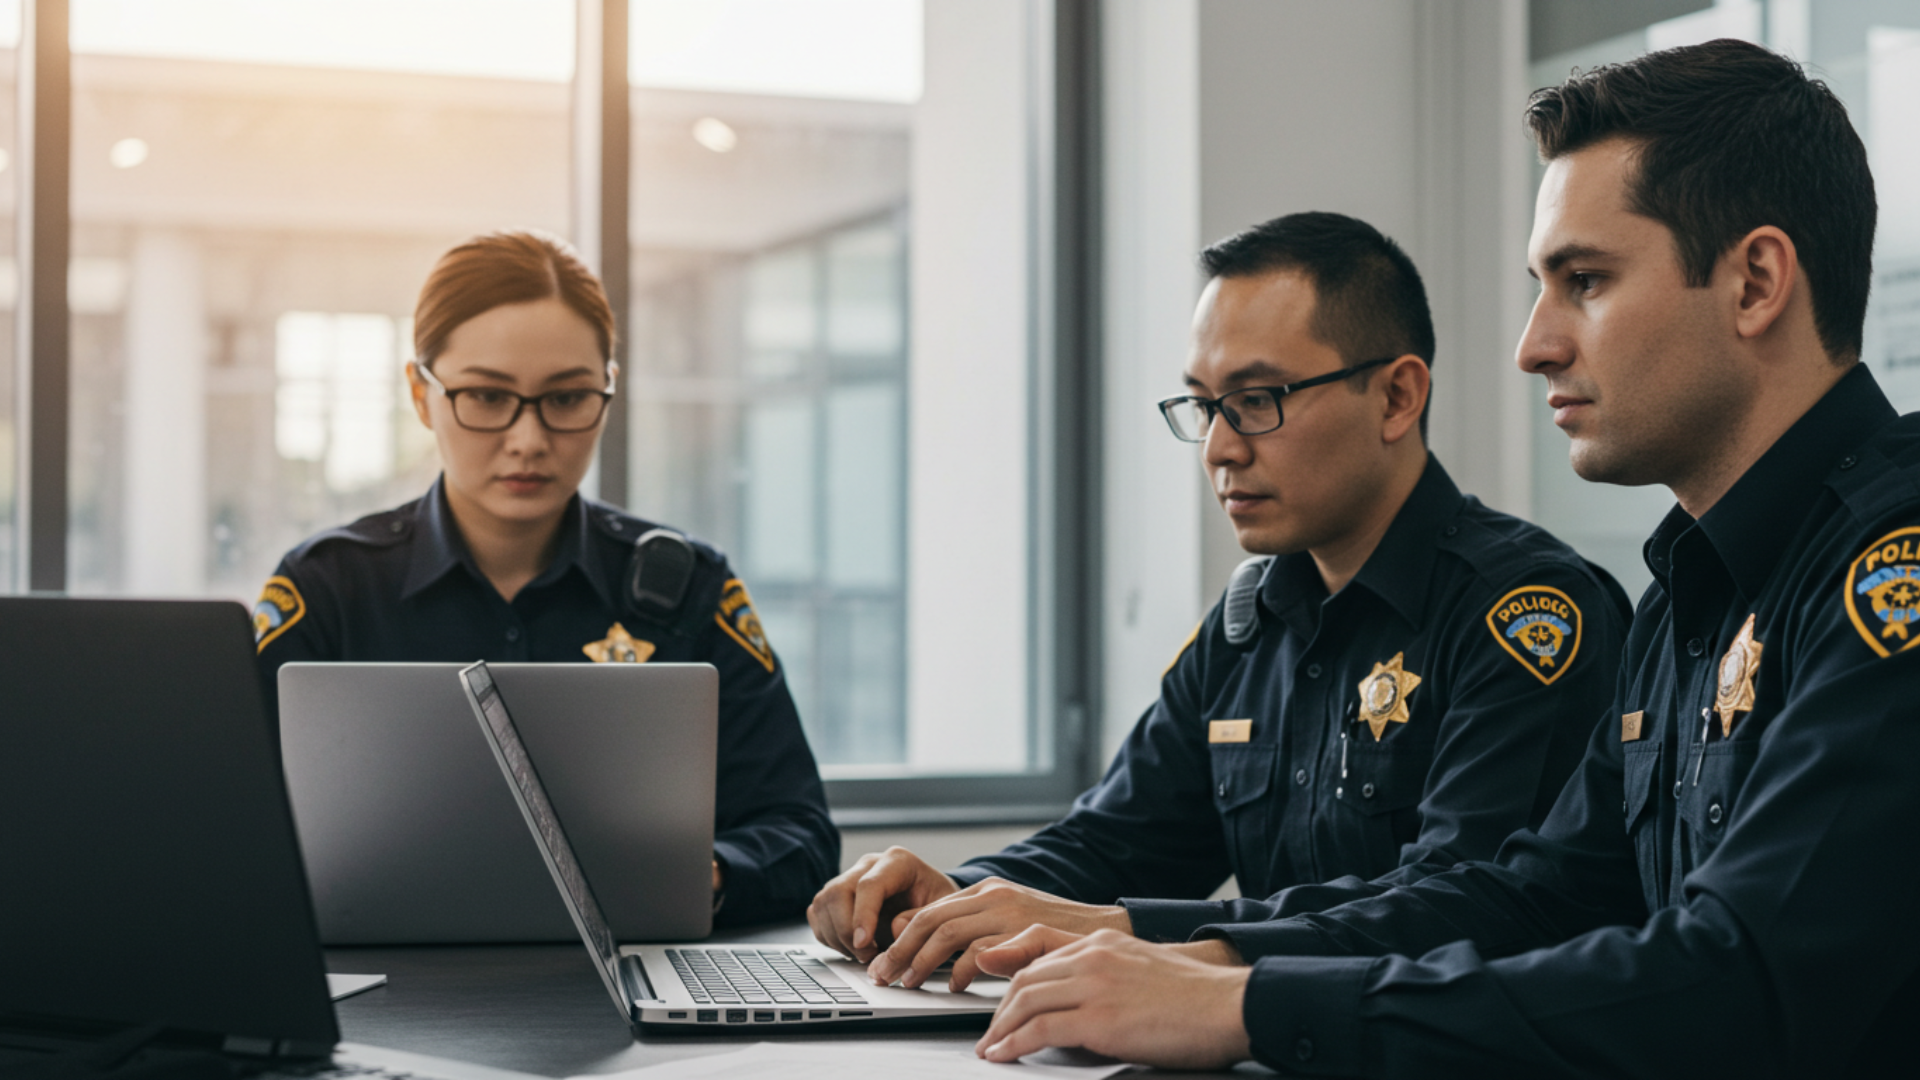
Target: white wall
(165, 467)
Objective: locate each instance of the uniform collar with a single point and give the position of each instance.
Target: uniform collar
(1399, 567)
(438, 547)
(1752, 523)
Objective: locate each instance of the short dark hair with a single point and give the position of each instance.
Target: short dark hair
(1732, 137)
(1369, 302)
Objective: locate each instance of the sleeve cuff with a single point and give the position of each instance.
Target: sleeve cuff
(1303, 1014)
(1288, 937)
(1171, 920)
(740, 877)
(971, 874)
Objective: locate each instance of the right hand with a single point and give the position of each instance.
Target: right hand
(852, 911)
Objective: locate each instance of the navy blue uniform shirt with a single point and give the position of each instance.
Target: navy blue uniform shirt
(1726, 887)
(1431, 707)
(401, 586)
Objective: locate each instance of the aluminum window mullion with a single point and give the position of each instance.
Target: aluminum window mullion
(42, 231)
(601, 189)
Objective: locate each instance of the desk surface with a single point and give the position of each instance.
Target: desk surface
(537, 1008)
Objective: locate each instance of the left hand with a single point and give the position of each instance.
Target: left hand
(979, 917)
(1119, 996)
(717, 882)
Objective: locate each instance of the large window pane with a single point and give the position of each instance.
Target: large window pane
(258, 192)
(10, 449)
(833, 351)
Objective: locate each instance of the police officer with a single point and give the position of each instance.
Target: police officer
(1725, 887)
(504, 559)
(1401, 678)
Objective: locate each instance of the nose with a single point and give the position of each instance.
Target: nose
(1545, 345)
(528, 436)
(1225, 446)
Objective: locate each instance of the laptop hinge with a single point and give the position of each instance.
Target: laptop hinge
(633, 979)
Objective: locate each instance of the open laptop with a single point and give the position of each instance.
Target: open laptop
(411, 838)
(154, 904)
(694, 987)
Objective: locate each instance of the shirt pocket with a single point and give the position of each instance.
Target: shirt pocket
(1707, 807)
(1243, 784)
(1381, 794)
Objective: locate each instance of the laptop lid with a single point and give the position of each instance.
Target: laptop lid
(152, 871)
(410, 837)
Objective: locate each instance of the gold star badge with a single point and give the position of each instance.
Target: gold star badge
(618, 647)
(1737, 671)
(1383, 695)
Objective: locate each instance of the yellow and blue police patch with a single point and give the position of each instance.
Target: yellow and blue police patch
(1539, 626)
(279, 607)
(1883, 592)
(736, 616)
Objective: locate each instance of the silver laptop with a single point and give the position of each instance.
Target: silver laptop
(410, 837)
(687, 987)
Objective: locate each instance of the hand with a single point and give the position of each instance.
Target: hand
(718, 881)
(1015, 954)
(847, 915)
(1118, 996)
(979, 917)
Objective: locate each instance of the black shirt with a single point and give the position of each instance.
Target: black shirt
(1259, 761)
(401, 586)
(1727, 894)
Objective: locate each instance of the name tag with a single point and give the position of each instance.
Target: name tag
(1229, 730)
(1630, 726)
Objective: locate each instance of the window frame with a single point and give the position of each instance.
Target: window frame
(1063, 472)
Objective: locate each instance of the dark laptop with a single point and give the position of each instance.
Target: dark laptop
(154, 906)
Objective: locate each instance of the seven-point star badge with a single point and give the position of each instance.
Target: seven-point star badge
(1737, 671)
(1383, 695)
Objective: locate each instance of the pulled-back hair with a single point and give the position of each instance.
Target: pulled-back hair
(1369, 302)
(1731, 137)
(500, 268)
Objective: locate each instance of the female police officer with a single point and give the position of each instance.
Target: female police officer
(504, 559)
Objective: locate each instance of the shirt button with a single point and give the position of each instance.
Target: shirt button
(1300, 778)
(1221, 791)
(1451, 530)
(1366, 791)
(1303, 1049)
(1713, 813)
(1849, 461)
(1676, 789)
(1313, 671)
(1696, 647)
(513, 633)
(397, 526)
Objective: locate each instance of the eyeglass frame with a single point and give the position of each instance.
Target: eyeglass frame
(520, 406)
(1215, 409)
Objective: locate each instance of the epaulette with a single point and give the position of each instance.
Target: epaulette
(1239, 611)
(384, 529)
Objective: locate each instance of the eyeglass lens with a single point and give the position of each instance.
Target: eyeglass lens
(496, 410)
(1251, 412)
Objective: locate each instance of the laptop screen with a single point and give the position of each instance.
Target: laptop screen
(531, 794)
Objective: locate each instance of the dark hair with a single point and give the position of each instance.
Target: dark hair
(1369, 302)
(513, 267)
(1732, 137)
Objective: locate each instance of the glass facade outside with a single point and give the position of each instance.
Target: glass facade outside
(1869, 52)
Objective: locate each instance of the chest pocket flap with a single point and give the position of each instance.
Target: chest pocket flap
(1242, 774)
(1642, 766)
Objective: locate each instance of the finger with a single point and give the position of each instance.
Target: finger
(1031, 1006)
(952, 937)
(870, 891)
(901, 920)
(967, 968)
(1017, 953)
(911, 939)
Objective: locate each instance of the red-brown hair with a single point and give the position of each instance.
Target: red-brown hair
(509, 267)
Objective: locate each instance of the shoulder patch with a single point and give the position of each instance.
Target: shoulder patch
(279, 607)
(1540, 627)
(737, 617)
(1883, 592)
(1184, 646)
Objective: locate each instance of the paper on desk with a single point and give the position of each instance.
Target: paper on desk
(869, 1061)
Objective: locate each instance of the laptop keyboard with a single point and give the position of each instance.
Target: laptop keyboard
(759, 977)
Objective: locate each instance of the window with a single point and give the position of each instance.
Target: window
(851, 274)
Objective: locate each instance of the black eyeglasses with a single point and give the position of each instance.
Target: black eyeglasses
(491, 409)
(1250, 410)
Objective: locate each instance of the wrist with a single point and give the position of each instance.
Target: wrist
(1114, 917)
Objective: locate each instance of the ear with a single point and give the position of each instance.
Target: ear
(1407, 382)
(1767, 269)
(417, 389)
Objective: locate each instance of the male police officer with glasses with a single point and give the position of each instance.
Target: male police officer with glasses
(1397, 680)
(1726, 886)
